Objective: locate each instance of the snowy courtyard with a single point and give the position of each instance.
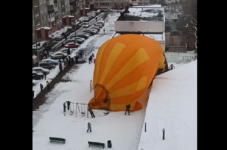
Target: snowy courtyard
(172, 105)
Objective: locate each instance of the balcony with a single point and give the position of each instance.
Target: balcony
(55, 1)
(50, 11)
(50, 2)
(56, 17)
(52, 19)
(55, 9)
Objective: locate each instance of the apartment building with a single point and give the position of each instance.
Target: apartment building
(139, 2)
(108, 4)
(75, 6)
(49, 16)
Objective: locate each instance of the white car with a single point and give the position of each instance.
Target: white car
(40, 69)
(86, 24)
(50, 61)
(58, 55)
(65, 50)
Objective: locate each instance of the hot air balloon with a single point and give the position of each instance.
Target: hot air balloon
(124, 67)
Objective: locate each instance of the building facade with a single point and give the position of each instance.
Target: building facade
(51, 15)
(109, 4)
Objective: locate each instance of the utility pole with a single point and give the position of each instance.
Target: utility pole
(75, 22)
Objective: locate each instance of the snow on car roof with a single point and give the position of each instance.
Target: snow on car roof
(49, 59)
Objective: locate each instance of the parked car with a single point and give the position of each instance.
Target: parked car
(98, 24)
(90, 31)
(86, 24)
(50, 61)
(82, 35)
(102, 23)
(78, 40)
(95, 27)
(58, 55)
(37, 75)
(65, 50)
(94, 30)
(59, 38)
(46, 66)
(41, 70)
(72, 45)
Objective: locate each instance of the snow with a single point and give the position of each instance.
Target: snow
(149, 6)
(134, 11)
(172, 105)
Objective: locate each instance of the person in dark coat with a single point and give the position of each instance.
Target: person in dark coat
(172, 67)
(41, 87)
(81, 54)
(68, 104)
(60, 67)
(69, 61)
(64, 108)
(48, 85)
(44, 74)
(89, 126)
(33, 94)
(127, 109)
(91, 112)
(92, 55)
(72, 61)
(90, 59)
(104, 31)
(68, 51)
(76, 59)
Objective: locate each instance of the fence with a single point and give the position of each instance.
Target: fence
(178, 57)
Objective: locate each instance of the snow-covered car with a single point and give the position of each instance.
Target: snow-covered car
(58, 55)
(58, 38)
(50, 61)
(72, 45)
(41, 70)
(97, 24)
(94, 30)
(95, 27)
(78, 40)
(46, 66)
(37, 75)
(100, 22)
(86, 24)
(65, 50)
(90, 32)
(82, 35)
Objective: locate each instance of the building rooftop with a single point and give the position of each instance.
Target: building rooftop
(145, 13)
(155, 36)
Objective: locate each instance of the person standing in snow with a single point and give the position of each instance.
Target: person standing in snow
(127, 109)
(76, 57)
(64, 107)
(41, 87)
(68, 104)
(89, 126)
(44, 75)
(60, 67)
(91, 112)
(48, 85)
(33, 94)
(68, 51)
(104, 31)
(172, 67)
(90, 59)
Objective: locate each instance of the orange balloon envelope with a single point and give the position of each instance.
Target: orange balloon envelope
(124, 68)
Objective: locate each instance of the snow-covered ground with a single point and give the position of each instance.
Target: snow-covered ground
(164, 111)
(172, 105)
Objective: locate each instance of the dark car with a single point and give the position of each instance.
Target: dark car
(82, 36)
(37, 75)
(89, 31)
(46, 65)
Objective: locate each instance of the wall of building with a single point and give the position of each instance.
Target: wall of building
(180, 57)
(133, 26)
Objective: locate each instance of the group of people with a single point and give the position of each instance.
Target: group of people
(90, 58)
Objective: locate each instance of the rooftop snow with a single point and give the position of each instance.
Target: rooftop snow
(155, 36)
(172, 105)
(144, 14)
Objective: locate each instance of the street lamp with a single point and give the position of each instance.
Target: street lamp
(75, 22)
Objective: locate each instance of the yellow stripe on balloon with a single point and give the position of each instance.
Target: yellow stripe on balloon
(137, 59)
(117, 49)
(139, 85)
(98, 60)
